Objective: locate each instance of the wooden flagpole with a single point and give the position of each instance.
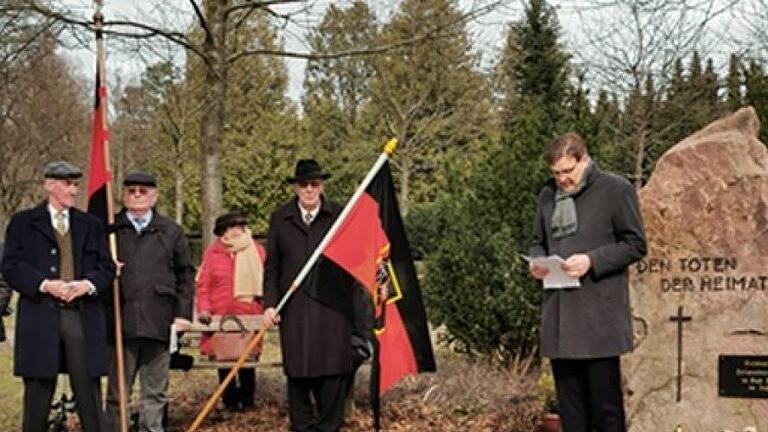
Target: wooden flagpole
(98, 19)
(389, 148)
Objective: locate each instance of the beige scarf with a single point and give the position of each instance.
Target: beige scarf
(249, 271)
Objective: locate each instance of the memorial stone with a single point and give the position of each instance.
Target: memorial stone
(700, 297)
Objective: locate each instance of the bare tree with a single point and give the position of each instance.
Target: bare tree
(41, 106)
(632, 44)
(180, 22)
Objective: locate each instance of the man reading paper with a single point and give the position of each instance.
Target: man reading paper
(592, 219)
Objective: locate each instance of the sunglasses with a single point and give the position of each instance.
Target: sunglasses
(314, 183)
(141, 190)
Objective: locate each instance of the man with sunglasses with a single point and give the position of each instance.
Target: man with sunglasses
(591, 219)
(316, 324)
(56, 257)
(156, 291)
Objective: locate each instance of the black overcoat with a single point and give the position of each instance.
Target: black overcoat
(592, 321)
(315, 338)
(31, 256)
(157, 282)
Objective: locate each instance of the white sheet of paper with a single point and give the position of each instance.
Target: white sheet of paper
(556, 278)
(173, 343)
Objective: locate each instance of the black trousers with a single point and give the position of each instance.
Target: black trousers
(589, 394)
(38, 392)
(329, 393)
(239, 391)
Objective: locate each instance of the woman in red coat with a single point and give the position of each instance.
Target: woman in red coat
(230, 282)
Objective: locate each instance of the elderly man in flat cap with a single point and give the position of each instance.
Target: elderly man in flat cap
(157, 290)
(56, 257)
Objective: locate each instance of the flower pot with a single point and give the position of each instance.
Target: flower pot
(550, 422)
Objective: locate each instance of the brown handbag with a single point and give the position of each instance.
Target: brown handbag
(227, 345)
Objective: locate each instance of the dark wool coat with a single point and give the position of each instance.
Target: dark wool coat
(594, 320)
(157, 283)
(315, 338)
(31, 256)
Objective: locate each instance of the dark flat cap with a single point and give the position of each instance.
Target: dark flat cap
(307, 169)
(61, 170)
(140, 178)
(233, 218)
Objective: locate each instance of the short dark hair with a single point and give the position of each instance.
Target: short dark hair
(568, 144)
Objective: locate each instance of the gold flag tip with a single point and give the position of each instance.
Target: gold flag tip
(390, 147)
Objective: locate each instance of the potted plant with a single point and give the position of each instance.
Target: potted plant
(550, 419)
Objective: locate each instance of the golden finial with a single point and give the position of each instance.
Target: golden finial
(390, 147)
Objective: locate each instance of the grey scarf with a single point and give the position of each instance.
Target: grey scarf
(565, 220)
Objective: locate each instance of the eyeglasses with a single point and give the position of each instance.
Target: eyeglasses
(314, 183)
(141, 190)
(564, 171)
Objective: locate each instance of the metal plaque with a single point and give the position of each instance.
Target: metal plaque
(743, 376)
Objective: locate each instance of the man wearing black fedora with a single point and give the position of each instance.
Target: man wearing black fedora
(316, 324)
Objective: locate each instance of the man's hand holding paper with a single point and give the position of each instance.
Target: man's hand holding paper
(557, 272)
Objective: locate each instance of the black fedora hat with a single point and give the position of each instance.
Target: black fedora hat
(307, 169)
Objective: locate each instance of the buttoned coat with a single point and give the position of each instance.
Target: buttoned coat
(595, 320)
(315, 338)
(31, 256)
(157, 282)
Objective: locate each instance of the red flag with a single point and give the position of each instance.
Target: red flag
(371, 245)
(99, 174)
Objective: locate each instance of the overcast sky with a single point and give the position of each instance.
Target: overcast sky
(488, 32)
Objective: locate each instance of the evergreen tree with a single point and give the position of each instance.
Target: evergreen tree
(604, 142)
(476, 283)
(429, 94)
(711, 89)
(534, 66)
(733, 91)
(756, 94)
(261, 131)
(336, 92)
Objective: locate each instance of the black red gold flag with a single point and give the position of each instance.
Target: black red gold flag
(372, 246)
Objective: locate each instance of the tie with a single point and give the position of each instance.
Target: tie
(307, 218)
(61, 223)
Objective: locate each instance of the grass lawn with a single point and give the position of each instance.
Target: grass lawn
(11, 390)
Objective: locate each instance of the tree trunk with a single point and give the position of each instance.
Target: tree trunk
(179, 184)
(639, 157)
(405, 178)
(212, 126)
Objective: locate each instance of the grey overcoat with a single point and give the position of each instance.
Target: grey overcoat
(592, 321)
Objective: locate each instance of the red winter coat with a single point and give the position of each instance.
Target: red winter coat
(215, 286)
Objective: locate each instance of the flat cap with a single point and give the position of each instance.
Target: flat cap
(61, 170)
(140, 178)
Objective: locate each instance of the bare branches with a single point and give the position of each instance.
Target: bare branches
(629, 40)
(201, 19)
(259, 5)
(428, 34)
